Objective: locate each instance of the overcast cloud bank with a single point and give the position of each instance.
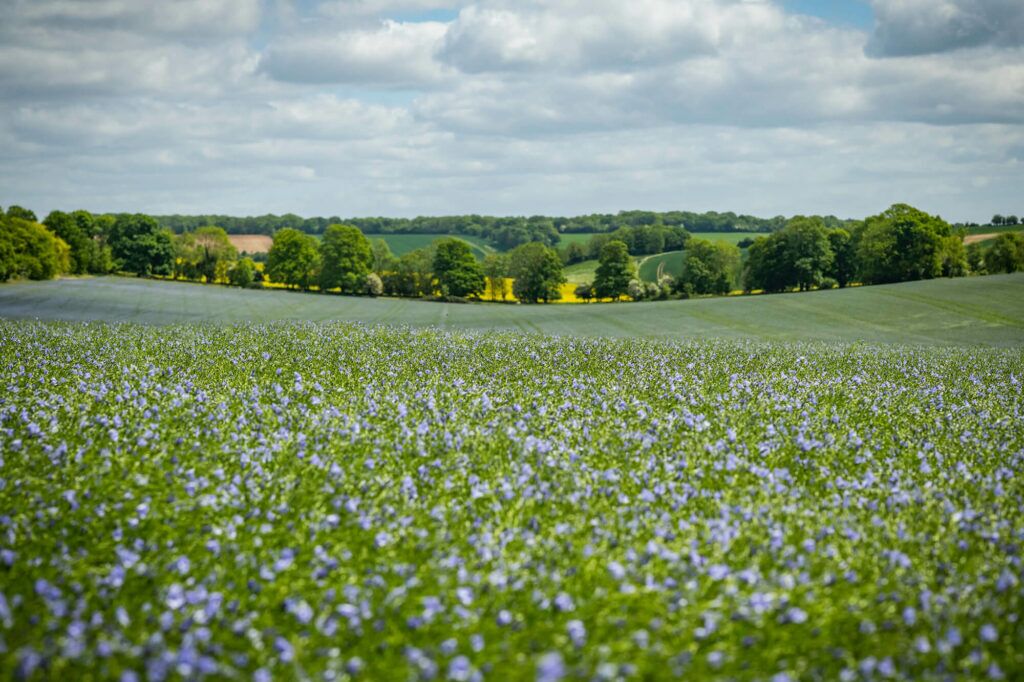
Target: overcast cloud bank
(425, 107)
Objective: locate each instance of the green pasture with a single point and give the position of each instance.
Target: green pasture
(401, 244)
(987, 311)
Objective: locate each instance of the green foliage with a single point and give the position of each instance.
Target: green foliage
(243, 273)
(345, 259)
(903, 243)
(140, 246)
(496, 266)
(383, 258)
(799, 255)
(708, 267)
(1006, 253)
(457, 270)
(87, 254)
(614, 271)
(294, 259)
(844, 257)
(808, 251)
(204, 254)
(976, 258)
(21, 213)
(28, 250)
(413, 274)
(537, 273)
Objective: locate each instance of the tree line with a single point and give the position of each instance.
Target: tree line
(504, 233)
(900, 244)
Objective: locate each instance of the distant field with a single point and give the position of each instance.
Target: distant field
(401, 244)
(729, 237)
(251, 243)
(673, 261)
(992, 229)
(986, 311)
(581, 238)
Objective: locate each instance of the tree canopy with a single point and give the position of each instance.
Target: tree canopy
(708, 267)
(29, 250)
(140, 246)
(614, 271)
(294, 259)
(345, 259)
(457, 270)
(537, 273)
(904, 243)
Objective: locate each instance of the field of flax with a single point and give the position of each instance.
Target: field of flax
(331, 501)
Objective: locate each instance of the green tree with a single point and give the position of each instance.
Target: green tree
(708, 267)
(536, 271)
(496, 267)
(29, 250)
(457, 270)
(140, 246)
(294, 259)
(808, 251)
(573, 253)
(243, 273)
(844, 257)
(22, 213)
(345, 259)
(412, 275)
(85, 251)
(215, 253)
(383, 259)
(1006, 253)
(976, 258)
(902, 244)
(615, 269)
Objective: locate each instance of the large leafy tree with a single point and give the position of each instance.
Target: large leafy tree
(537, 273)
(808, 251)
(902, 244)
(708, 267)
(457, 270)
(294, 259)
(206, 254)
(86, 255)
(614, 271)
(29, 250)
(140, 246)
(345, 259)
(1006, 253)
(844, 257)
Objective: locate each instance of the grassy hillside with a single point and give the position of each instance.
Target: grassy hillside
(967, 311)
(404, 243)
(673, 261)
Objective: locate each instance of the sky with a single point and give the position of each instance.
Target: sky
(512, 107)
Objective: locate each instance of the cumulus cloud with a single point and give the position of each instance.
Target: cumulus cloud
(354, 107)
(587, 35)
(393, 54)
(916, 27)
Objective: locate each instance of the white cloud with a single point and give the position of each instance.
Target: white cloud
(563, 106)
(393, 54)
